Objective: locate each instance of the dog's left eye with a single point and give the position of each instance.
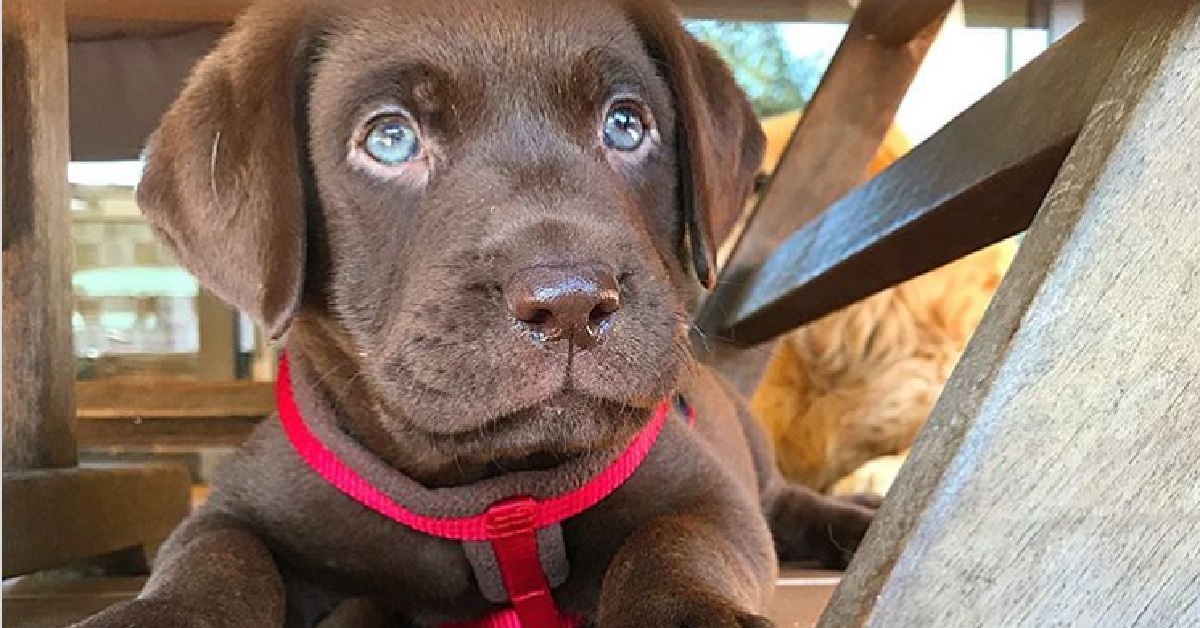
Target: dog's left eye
(624, 127)
(391, 140)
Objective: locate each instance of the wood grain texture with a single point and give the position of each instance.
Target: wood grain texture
(170, 414)
(1055, 483)
(56, 517)
(218, 327)
(165, 434)
(897, 23)
(166, 399)
(38, 359)
(977, 181)
(851, 110)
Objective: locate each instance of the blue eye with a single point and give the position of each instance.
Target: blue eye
(624, 128)
(392, 140)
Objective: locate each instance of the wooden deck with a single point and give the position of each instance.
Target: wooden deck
(42, 603)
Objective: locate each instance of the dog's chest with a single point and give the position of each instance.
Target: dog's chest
(431, 582)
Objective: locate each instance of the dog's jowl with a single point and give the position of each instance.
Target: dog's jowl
(476, 228)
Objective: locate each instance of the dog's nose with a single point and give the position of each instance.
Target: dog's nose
(564, 302)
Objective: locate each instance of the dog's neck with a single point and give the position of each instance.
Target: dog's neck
(423, 457)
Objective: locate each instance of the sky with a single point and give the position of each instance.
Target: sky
(962, 66)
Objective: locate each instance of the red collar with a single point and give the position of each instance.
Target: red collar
(510, 526)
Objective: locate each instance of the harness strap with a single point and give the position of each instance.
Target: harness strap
(514, 539)
(509, 526)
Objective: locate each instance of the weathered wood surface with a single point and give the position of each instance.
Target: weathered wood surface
(171, 433)
(897, 23)
(55, 517)
(218, 338)
(827, 156)
(38, 358)
(175, 414)
(155, 399)
(1055, 484)
(54, 513)
(978, 180)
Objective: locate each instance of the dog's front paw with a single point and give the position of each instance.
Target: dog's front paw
(676, 611)
(809, 526)
(834, 540)
(866, 500)
(146, 614)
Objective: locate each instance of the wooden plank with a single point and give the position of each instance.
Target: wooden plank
(897, 23)
(218, 338)
(852, 110)
(1054, 483)
(167, 433)
(56, 517)
(156, 399)
(170, 414)
(38, 359)
(968, 186)
(203, 11)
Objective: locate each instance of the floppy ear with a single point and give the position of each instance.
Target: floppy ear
(718, 137)
(222, 185)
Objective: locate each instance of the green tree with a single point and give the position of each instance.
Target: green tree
(772, 76)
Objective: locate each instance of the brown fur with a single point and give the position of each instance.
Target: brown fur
(860, 383)
(389, 296)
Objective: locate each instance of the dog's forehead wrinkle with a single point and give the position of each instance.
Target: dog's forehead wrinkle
(503, 39)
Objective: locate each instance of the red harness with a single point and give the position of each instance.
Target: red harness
(510, 525)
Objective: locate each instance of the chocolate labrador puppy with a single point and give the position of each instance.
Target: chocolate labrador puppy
(477, 229)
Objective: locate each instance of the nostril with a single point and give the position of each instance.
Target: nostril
(599, 313)
(608, 304)
(539, 316)
(568, 301)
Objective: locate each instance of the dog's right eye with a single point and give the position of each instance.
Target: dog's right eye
(391, 140)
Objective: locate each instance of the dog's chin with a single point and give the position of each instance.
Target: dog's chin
(562, 426)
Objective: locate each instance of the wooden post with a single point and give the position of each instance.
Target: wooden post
(851, 110)
(1055, 483)
(962, 189)
(55, 513)
(218, 338)
(39, 369)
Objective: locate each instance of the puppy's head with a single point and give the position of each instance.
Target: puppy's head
(496, 212)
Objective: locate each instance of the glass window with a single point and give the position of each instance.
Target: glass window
(779, 65)
(137, 312)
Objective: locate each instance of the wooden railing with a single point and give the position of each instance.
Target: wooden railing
(1055, 482)
(177, 414)
(55, 512)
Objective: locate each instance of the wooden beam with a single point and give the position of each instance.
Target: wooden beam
(147, 413)
(218, 338)
(54, 513)
(851, 110)
(1053, 484)
(55, 517)
(200, 11)
(103, 399)
(167, 433)
(977, 181)
(897, 23)
(39, 366)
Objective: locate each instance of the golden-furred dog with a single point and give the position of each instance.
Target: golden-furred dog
(845, 396)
